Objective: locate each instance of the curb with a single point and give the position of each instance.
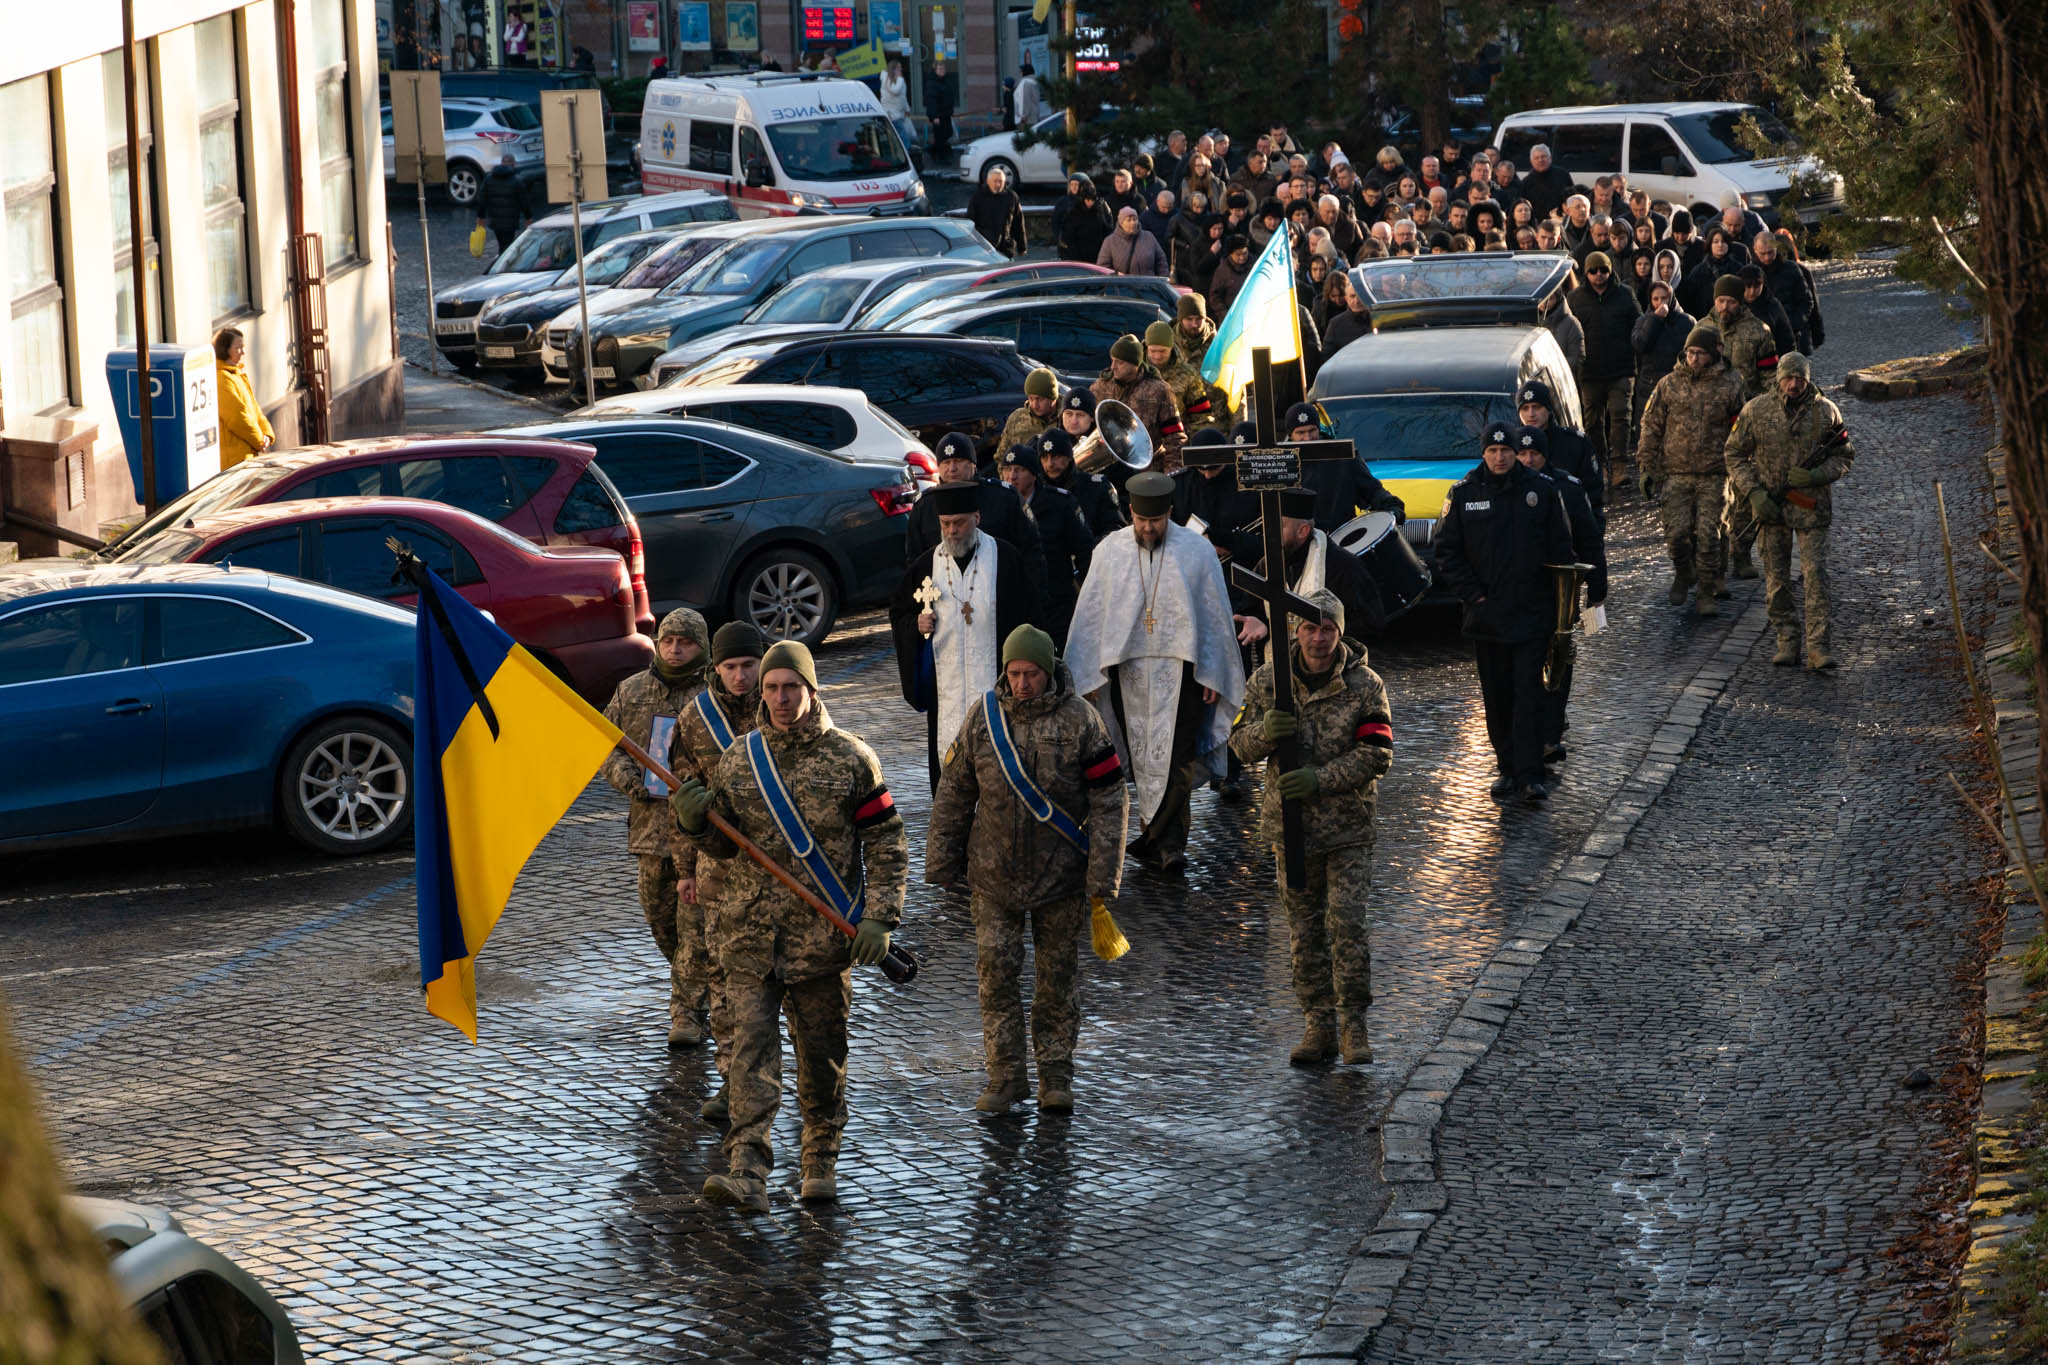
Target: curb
(1360, 1305)
(1864, 385)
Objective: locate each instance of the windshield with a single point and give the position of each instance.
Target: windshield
(538, 248)
(1423, 426)
(812, 300)
(1716, 138)
(719, 370)
(237, 486)
(838, 148)
(908, 297)
(173, 547)
(607, 264)
(667, 263)
(737, 268)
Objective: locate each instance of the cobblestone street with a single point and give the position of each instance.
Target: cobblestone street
(1690, 1141)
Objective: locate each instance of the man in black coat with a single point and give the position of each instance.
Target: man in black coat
(1502, 525)
(1336, 568)
(501, 203)
(1349, 325)
(1087, 224)
(1607, 311)
(1568, 450)
(1589, 546)
(1547, 185)
(1062, 530)
(1096, 495)
(1002, 515)
(1343, 488)
(938, 109)
(998, 214)
(1210, 492)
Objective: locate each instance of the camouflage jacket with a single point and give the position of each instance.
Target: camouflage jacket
(1198, 403)
(1685, 424)
(1022, 429)
(1346, 734)
(1751, 350)
(1193, 350)
(694, 753)
(1772, 435)
(755, 925)
(981, 830)
(635, 707)
(1152, 401)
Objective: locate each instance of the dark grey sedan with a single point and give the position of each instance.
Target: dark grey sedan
(746, 526)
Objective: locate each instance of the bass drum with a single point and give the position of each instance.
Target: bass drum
(1400, 573)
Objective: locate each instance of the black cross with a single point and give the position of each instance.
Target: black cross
(1266, 468)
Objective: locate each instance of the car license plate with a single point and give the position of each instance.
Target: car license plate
(454, 326)
(602, 372)
(497, 353)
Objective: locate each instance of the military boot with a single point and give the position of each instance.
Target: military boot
(1318, 1041)
(821, 1184)
(998, 1096)
(1680, 586)
(747, 1193)
(686, 1029)
(1704, 604)
(1741, 564)
(1056, 1088)
(1788, 650)
(1819, 660)
(1354, 1047)
(716, 1110)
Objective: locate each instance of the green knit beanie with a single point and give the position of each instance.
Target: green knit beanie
(1031, 645)
(791, 655)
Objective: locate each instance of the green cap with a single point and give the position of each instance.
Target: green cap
(791, 655)
(1159, 334)
(1041, 383)
(1728, 287)
(1705, 336)
(1032, 645)
(683, 621)
(1126, 348)
(1792, 362)
(1191, 306)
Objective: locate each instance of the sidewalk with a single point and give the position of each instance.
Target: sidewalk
(447, 402)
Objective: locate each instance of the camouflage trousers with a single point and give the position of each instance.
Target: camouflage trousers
(1738, 524)
(1056, 930)
(678, 932)
(1692, 506)
(1775, 543)
(1326, 927)
(816, 1010)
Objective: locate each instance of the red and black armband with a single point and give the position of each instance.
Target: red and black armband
(874, 808)
(1378, 730)
(1767, 362)
(1200, 405)
(1103, 768)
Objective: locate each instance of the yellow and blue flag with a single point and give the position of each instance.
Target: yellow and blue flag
(501, 749)
(1265, 313)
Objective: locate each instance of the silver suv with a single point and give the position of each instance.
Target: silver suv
(479, 132)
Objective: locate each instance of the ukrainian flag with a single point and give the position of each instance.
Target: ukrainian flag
(502, 747)
(1265, 313)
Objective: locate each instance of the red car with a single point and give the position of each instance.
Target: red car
(547, 491)
(570, 605)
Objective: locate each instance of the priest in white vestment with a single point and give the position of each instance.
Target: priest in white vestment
(950, 615)
(1154, 646)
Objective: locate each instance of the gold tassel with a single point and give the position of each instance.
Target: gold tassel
(1110, 943)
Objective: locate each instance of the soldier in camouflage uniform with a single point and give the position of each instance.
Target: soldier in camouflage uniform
(645, 707)
(1195, 399)
(777, 954)
(1130, 381)
(1019, 869)
(1344, 743)
(1041, 410)
(1192, 333)
(734, 688)
(1786, 449)
(1752, 354)
(1680, 444)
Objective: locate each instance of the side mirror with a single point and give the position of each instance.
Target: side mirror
(758, 173)
(1671, 165)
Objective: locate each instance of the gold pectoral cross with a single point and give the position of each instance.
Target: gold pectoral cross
(927, 596)
(1149, 621)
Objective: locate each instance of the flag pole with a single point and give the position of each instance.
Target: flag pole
(899, 966)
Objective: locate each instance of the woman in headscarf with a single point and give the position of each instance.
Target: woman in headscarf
(1659, 339)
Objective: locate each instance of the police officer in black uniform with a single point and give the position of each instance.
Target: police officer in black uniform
(1569, 450)
(1062, 532)
(1343, 488)
(1589, 546)
(1002, 516)
(1101, 507)
(1210, 492)
(1502, 524)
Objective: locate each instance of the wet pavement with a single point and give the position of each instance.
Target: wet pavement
(232, 1029)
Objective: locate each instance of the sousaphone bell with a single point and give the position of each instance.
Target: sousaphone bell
(1119, 438)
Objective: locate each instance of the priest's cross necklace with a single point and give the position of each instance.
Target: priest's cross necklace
(960, 585)
(1158, 556)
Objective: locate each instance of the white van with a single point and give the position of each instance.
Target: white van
(1686, 153)
(777, 143)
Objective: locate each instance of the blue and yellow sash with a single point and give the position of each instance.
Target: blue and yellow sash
(798, 835)
(713, 718)
(1042, 807)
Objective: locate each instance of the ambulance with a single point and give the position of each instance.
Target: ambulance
(777, 144)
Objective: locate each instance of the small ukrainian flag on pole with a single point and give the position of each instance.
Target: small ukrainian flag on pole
(501, 749)
(1265, 313)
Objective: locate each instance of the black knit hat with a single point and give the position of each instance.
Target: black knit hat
(956, 445)
(1078, 400)
(1532, 438)
(1302, 415)
(738, 640)
(1024, 457)
(1499, 434)
(1536, 391)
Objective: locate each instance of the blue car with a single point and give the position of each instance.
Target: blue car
(144, 700)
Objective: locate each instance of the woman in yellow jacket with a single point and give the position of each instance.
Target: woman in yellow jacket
(244, 431)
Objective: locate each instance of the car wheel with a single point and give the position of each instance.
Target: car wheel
(1006, 166)
(465, 181)
(346, 786)
(789, 595)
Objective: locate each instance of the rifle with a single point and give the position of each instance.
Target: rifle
(1799, 497)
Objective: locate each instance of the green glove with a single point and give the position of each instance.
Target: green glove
(1798, 476)
(870, 943)
(1765, 508)
(690, 802)
(1278, 725)
(1649, 483)
(1301, 784)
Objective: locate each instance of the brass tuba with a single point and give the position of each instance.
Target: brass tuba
(1119, 438)
(1566, 579)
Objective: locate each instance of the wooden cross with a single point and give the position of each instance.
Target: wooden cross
(1266, 468)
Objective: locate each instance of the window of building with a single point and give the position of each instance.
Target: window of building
(220, 164)
(326, 44)
(39, 371)
(114, 94)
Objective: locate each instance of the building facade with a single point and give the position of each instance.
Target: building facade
(262, 209)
